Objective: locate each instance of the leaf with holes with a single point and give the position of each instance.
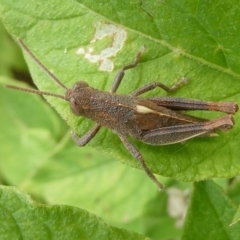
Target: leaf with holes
(91, 40)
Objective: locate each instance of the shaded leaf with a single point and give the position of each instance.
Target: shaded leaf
(25, 219)
(210, 214)
(236, 217)
(30, 131)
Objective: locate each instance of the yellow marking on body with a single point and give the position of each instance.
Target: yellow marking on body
(143, 109)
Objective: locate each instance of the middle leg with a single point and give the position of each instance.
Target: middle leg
(153, 85)
(118, 78)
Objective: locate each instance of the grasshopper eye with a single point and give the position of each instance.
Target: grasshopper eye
(75, 106)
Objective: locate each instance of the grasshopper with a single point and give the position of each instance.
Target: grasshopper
(152, 120)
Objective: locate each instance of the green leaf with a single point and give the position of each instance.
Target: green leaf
(22, 218)
(210, 214)
(198, 40)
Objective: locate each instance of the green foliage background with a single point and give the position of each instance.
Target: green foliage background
(195, 39)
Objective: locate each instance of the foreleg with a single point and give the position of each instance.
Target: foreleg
(86, 137)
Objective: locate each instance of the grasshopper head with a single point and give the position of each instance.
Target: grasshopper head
(79, 97)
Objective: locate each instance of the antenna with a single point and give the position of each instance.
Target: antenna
(35, 91)
(22, 44)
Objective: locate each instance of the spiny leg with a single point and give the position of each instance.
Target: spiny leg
(153, 85)
(86, 137)
(179, 133)
(175, 103)
(137, 155)
(118, 78)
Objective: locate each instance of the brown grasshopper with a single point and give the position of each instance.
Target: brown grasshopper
(153, 120)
